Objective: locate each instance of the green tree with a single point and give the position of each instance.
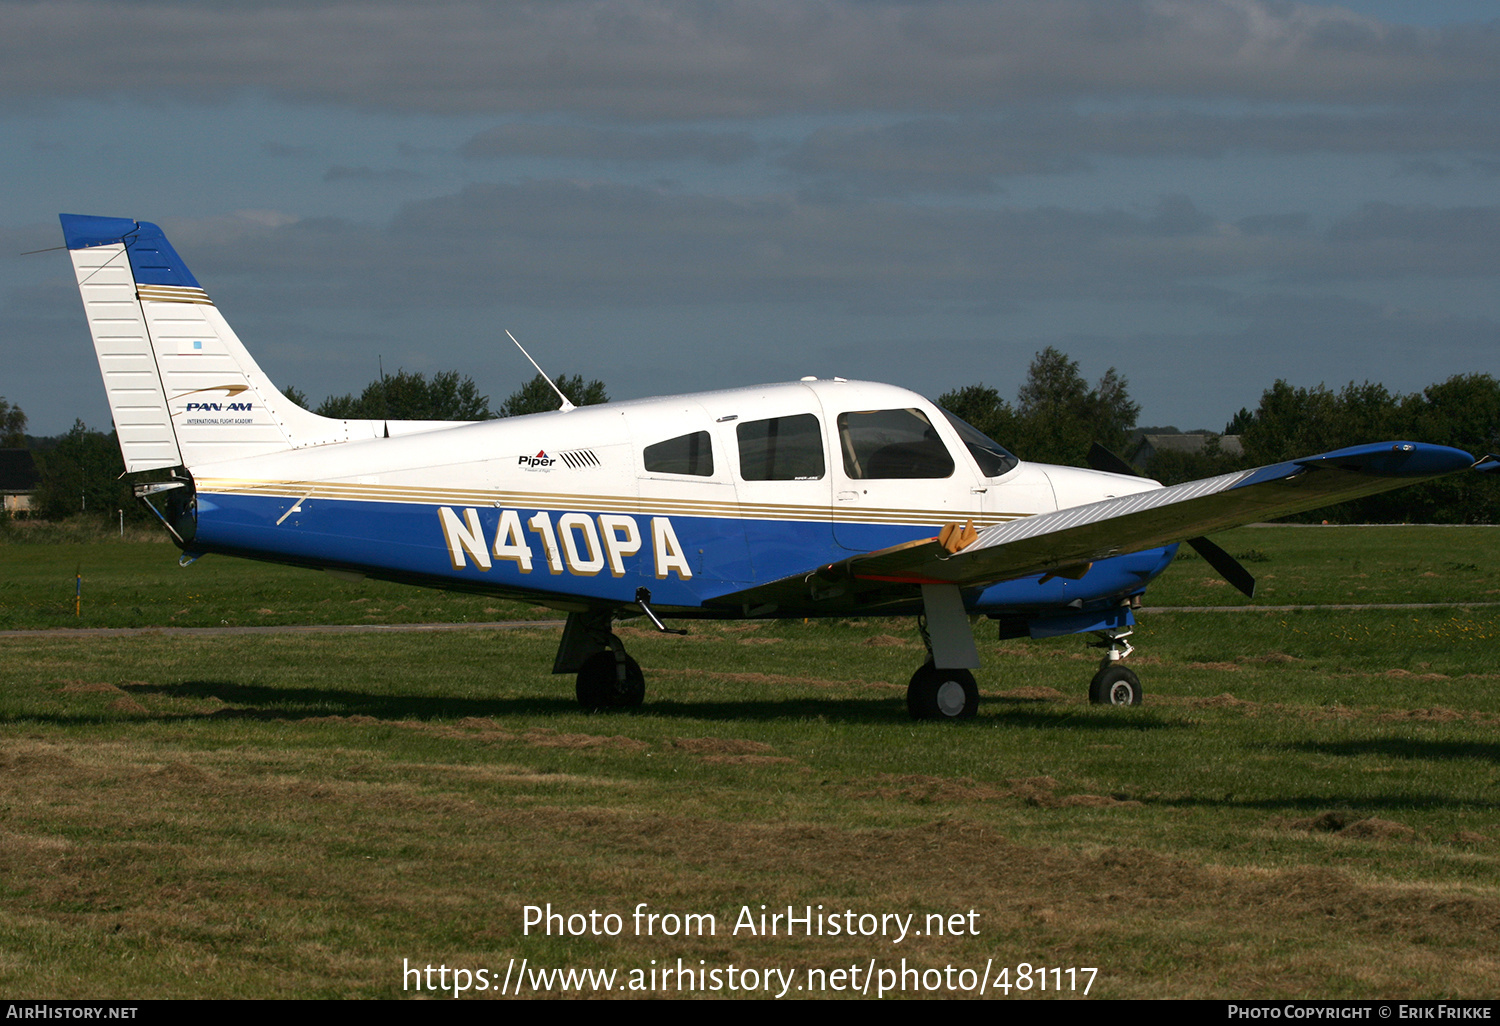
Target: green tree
(407, 395)
(1059, 416)
(981, 406)
(1239, 422)
(81, 473)
(1172, 467)
(1463, 412)
(1112, 412)
(536, 396)
(12, 426)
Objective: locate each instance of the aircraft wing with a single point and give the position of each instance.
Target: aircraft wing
(1067, 540)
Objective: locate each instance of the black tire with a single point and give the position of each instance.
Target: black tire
(1115, 685)
(600, 686)
(935, 694)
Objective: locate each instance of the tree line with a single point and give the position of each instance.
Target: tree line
(1055, 417)
(82, 471)
(406, 395)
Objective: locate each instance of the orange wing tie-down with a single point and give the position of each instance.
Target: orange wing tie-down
(955, 538)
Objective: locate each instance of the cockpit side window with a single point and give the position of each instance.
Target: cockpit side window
(992, 458)
(686, 454)
(781, 449)
(885, 444)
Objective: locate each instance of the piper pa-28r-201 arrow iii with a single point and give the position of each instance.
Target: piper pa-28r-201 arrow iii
(809, 499)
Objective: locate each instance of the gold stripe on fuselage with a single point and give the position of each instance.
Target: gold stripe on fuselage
(643, 505)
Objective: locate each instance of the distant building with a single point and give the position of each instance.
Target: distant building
(18, 479)
(1193, 442)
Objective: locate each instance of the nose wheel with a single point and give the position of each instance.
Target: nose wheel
(1115, 684)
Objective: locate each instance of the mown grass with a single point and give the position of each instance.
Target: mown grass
(1306, 805)
(1295, 564)
(139, 584)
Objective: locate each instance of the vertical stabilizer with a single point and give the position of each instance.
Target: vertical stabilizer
(182, 389)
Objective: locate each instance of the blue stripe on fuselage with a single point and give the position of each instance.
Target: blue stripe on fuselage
(408, 541)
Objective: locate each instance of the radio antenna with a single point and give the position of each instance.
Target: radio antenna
(566, 406)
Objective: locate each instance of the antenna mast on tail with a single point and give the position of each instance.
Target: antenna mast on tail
(566, 406)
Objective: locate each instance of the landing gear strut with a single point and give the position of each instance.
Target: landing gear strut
(608, 678)
(1114, 684)
(934, 694)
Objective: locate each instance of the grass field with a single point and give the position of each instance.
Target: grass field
(1306, 805)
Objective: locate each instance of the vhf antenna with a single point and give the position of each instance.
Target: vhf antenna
(566, 406)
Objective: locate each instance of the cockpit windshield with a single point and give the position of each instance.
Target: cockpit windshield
(992, 457)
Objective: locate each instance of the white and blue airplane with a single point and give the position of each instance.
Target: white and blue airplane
(814, 498)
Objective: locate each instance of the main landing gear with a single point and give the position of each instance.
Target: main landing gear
(940, 694)
(935, 694)
(611, 680)
(608, 678)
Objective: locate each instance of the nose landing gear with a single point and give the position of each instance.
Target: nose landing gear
(1115, 684)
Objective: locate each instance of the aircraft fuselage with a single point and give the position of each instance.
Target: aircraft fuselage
(695, 497)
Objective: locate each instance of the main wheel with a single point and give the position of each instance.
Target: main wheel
(601, 687)
(1115, 685)
(935, 694)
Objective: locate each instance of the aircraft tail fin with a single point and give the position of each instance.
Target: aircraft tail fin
(182, 388)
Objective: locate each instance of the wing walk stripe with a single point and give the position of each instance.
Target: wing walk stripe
(1077, 516)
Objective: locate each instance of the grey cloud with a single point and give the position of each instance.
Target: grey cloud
(276, 149)
(693, 58)
(1386, 239)
(610, 144)
(1275, 224)
(562, 244)
(1315, 338)
(928, 155)
(1426, 167)
(1380, 221)
(1176, 215)
(362, 173)
(969, 154)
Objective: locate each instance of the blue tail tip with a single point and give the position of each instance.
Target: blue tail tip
(152, 258)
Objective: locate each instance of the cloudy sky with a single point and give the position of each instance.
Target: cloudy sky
(676, 196)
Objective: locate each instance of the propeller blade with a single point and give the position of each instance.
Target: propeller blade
(1229, 568)
(1101, 458)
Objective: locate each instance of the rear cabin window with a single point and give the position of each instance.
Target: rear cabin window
(884, 444)
(781, 449)
(686, 454)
